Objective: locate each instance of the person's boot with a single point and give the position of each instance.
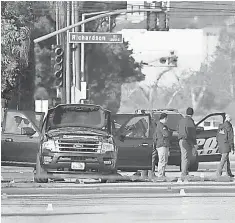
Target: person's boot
(229, 175)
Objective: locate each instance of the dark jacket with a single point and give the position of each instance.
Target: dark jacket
(187, 130)
(161, 135)
(225, 137)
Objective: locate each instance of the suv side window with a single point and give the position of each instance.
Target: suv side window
(137, 127)
(15, 121)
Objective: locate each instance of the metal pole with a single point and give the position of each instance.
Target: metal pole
(58, 90)
(68, 78)
(73, 56)
(57, 21)
(83, 52)
(78, 48)
(117, 12)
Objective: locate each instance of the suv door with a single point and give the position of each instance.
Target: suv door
(17, 147)
(206, 139)
(134, 142)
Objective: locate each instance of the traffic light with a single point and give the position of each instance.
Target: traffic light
(158, 21)
(172, 59)
(163, 60)
(58, 65)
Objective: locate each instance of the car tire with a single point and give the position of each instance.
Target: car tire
(40, 172)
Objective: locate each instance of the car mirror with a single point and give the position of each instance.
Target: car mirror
(200, 129)
(28, 131)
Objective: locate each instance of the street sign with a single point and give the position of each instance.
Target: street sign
(93, 37)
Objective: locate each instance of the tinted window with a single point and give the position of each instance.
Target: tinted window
(121, 119)
(137, 127)
(16, 121)
(77, 116)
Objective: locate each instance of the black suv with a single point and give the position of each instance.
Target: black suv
(76, 139)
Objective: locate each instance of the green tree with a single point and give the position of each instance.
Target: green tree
(108, 65)
(213, 86)
(222, 69)
(18, 31)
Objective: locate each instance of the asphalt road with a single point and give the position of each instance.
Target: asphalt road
(132, 207)
(23, 174)
(193, 202)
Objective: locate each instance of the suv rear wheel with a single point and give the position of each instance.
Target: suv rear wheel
(39, 175)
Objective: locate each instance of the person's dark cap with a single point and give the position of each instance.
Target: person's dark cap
(162, 116)
(189, 111)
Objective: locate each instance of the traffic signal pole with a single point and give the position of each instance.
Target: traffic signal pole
(116, 12)
(84, 76)
(67, 59)
(67, 83)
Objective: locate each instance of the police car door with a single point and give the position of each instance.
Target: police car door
(19, 148)
(206, 137)
(134, 142)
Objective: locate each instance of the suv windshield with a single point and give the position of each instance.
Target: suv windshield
(77, 116)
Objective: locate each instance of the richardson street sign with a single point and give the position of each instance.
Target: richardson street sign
(92, 37)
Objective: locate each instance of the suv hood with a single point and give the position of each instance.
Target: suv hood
(76, 131)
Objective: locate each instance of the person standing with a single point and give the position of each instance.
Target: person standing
(161, 146)
(225, 139)
(187, 140)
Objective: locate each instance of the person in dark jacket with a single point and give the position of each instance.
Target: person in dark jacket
(187, 140)
(161, 139)
(225, 139)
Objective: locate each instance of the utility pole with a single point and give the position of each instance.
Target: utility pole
(75, 97)
(78, 5)
(73, 56)
(61, 38)
(68, 78)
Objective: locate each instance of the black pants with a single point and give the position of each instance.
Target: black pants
(154, 156)
(224, 162)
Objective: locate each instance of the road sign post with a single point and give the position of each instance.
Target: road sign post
(93, 37)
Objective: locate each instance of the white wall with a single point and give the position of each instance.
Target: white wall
(150, 45)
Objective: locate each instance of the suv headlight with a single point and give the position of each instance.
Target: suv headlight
(49, 145)
(107, 145)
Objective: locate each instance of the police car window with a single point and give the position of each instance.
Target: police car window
(212, 122)
(137, 127)
(15, 121)
(207, 123)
